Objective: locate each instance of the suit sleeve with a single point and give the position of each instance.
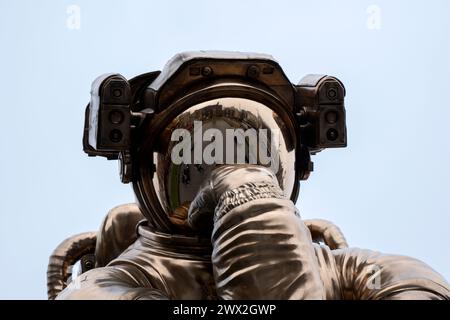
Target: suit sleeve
(261, 247)
(371, 275)
(124, 282)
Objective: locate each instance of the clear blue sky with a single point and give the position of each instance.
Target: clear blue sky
(389, 190)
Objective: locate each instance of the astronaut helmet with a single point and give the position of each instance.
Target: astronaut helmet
(170, 129)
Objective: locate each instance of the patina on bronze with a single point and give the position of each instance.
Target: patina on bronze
(222, 231)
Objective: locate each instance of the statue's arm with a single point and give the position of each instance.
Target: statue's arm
(261, 247)
(124, 282)
(366, 274)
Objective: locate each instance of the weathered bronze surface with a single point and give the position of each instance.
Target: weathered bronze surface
(222, 231)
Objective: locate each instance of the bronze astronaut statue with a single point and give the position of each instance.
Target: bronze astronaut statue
(215, 146)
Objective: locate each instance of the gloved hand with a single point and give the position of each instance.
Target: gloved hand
(224, 178)
(261, 248)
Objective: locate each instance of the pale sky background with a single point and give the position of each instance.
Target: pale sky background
(389, 190)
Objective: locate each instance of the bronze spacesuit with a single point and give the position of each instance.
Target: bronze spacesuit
(225, 231)
(259, 249)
